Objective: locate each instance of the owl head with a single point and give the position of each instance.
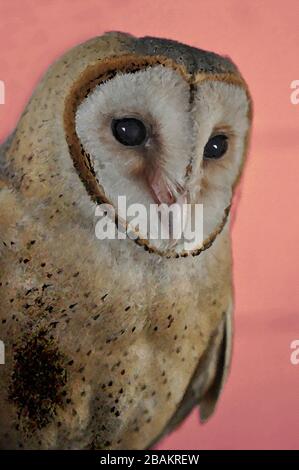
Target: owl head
(151, 120)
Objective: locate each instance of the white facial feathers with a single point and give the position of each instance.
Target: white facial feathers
(180, 127)
(159, 97)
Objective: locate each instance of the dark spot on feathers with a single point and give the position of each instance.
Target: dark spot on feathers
(171, 319)
(38, 380)
(29, 291)
(45, 286)
(72, 306)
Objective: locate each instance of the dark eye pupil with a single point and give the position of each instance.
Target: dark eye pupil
(216, 146)
(129, 131)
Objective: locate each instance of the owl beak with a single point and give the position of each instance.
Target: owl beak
(167, 193)
(161, 189)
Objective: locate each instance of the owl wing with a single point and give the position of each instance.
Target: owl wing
(3, 181)
(210, 375)
(219, 363)
(9, 205)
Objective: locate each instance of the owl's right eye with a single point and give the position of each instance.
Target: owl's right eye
(216, 147)
(129, 131)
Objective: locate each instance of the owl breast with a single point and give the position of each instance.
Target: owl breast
(102, 339)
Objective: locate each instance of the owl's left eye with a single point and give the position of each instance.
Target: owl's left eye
(129, 131)
(216, 147)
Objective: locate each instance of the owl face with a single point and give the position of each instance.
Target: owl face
(144, 128)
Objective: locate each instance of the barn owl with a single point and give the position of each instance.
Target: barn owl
(109, 344)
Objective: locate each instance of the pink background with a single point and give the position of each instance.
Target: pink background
(259, 407)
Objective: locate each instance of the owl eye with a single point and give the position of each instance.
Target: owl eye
(216, 147)
(129, 131)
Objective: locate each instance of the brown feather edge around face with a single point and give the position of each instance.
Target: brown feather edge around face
(105, 70)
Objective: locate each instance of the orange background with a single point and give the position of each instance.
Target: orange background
(259, 407)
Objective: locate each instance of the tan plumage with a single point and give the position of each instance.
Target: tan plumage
(109, 345)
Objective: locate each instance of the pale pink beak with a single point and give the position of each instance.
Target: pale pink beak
(163, 194)
(160, 188)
